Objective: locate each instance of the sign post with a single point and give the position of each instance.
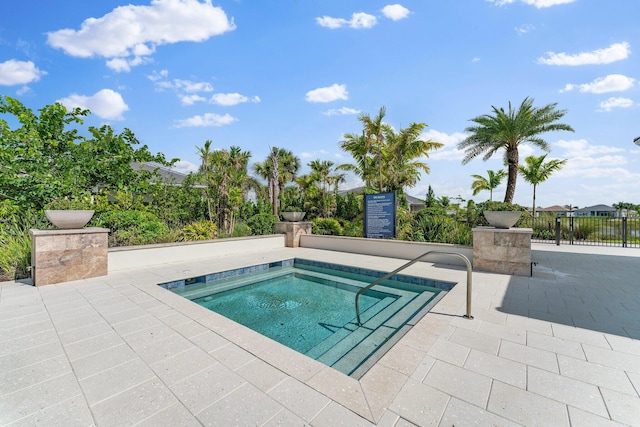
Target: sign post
(380, 215)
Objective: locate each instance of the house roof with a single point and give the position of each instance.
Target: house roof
(597, 208)
(412, 200)
(554, 208)
(167, 175)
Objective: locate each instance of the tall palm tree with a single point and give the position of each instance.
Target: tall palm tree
(279, 168)
(366, 149)
(402, 152)
(537, 171)
(481, 183)
(507, 130)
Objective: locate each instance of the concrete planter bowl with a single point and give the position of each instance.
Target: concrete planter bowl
(68, 219)
(293, 216)
(502, 219)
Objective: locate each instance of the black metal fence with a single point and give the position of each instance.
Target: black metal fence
(598, 231)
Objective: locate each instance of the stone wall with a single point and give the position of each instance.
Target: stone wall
(506, 251)
(63, 255)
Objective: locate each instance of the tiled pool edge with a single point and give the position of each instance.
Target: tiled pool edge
(347, 391)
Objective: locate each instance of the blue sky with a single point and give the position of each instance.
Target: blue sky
(296, 73)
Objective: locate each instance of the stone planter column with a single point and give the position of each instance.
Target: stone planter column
(292, 232)
(499, 250)
(63, 255)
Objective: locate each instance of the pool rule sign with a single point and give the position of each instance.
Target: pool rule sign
(380, 215)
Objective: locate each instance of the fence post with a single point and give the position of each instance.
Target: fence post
(624, 232)
(571, 231)
(557, 231)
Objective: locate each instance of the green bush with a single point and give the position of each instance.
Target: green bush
(15, 241)
(353, 228)
(439, 229)
(199, 230)
(128, 228)
(240, 229)
(326, 226)
(262, 223)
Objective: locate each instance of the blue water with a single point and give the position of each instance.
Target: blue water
(309, 306)
(291, 309)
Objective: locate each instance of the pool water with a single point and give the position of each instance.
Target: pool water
(309, 306)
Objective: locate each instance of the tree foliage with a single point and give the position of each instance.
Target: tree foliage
(47, 157)
(507, 130)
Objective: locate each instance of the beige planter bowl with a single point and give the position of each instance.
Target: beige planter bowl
(502, 219)
(293, 216)
(67, 219)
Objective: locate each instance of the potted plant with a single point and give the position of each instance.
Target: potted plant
(69, 213)
(293, 214)
(502, 215)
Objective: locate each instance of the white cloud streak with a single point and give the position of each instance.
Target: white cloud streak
(395, 12)
(610, 83)
(206, 120)
(613, 53)
(14, 72)
(129, 34)
(328, 94)
(341, 111)
(229, 99)
(614, 102)
(358, 20)
(540, 4)
(106, 104)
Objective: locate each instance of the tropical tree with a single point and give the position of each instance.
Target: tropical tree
(387, 160)
(507, 130)
(279, 168)
(493, 180)
(536, 171)
(227, 182)
(401, 157)
(47, 157)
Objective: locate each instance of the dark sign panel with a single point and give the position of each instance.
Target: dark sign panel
(380, 215)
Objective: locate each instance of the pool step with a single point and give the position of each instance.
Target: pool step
(345, 349)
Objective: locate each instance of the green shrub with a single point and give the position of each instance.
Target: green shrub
(199, 230)
(439, 229)
(326, 226)
(353, 228)
(240, 229)
(128, 228)
(15, 241)
(262, 223)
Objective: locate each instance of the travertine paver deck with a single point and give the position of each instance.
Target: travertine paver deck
(559, 348)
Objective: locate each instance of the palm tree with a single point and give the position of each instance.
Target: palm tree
(537, 171)
(481, 183)
(402, 152)
(507, 130)
(279, 168)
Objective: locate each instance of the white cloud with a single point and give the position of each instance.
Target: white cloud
(185, 166)
(190, 99)
(582, 148)
(614, 102)
(395, 12)
(106, 104)
(450, 141)
(476, 59)
(341, 111)
(358, 20)
(524, 28)
(206, 120)
(610, 83)
(229, 99)
(129, 34)
(13, 72)
(328, 94)
(613, 53)
(537, 3)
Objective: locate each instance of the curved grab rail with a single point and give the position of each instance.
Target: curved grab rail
(410, 263)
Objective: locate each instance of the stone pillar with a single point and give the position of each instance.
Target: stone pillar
(64, 255)
(499, 250)
(292, 231)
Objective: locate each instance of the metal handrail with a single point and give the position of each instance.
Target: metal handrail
(410, 263)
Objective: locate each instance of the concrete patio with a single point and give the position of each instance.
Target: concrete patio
(557, 349)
